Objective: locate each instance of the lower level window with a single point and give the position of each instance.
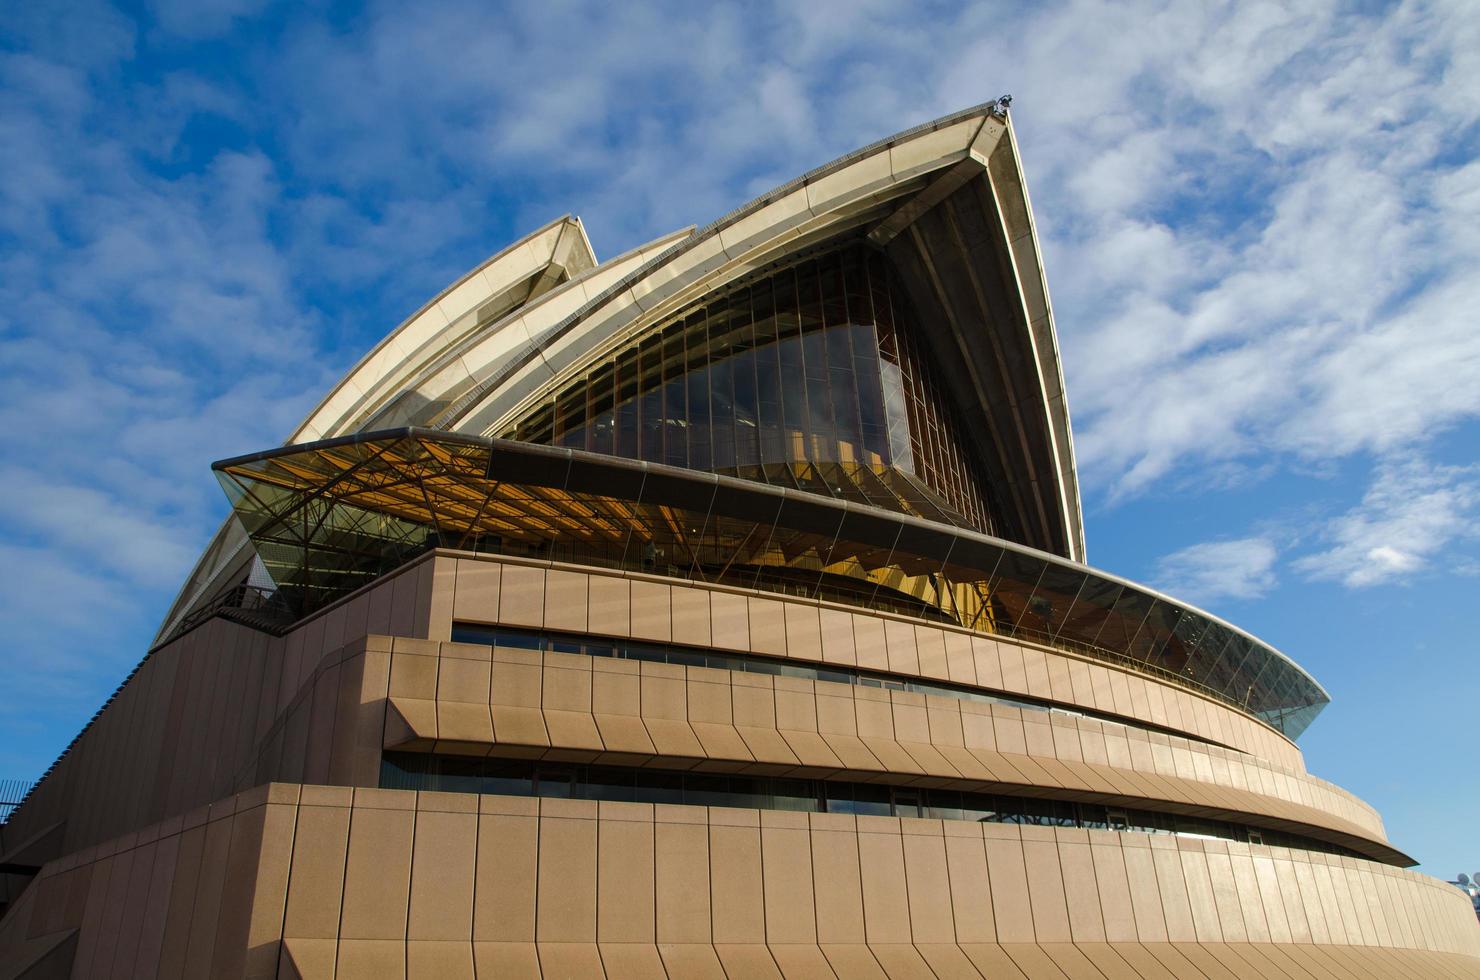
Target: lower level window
(529, 777)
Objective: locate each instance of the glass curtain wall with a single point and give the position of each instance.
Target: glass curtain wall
(812, 377)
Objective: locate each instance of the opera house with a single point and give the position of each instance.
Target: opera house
(719, 610)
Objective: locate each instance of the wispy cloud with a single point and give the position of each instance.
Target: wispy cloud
(1271, 231)
(1413, 511)
(1215, 570)
(150, 321)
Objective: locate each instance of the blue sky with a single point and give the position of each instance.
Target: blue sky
(1261, 225)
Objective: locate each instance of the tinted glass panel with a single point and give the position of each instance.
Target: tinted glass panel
(814, 377)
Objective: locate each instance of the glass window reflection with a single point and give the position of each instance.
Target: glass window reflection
(818, 363)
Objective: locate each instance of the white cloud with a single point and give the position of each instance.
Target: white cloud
(150, 322)
(1206, 573)
(1257, 235)
(97, 528)
(1413, 511)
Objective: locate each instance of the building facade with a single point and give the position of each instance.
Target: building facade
(718, 610)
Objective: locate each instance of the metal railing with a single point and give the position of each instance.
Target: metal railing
(12, 791)
(251, 605)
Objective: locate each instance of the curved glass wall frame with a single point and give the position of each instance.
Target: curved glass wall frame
(329, 517)
(811, 377)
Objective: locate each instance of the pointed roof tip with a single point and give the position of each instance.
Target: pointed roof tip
(575, 219)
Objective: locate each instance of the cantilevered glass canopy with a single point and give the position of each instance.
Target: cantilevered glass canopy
(329, 517)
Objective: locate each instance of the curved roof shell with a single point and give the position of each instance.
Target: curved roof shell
(947, 203)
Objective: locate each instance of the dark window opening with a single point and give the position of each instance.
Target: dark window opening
(536, 778)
